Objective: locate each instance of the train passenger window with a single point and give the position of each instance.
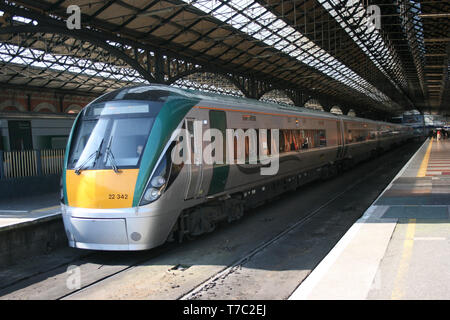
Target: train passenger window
(314, 138)
(359, 135)
(297, 139)
(305, 143)
(290, 140)
(282, 145)
(246, 145)
(293, 140)
(349, 138)
(322, 138)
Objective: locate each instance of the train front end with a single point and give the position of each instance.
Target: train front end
(116, 170)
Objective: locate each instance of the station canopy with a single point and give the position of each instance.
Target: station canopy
(337, 52)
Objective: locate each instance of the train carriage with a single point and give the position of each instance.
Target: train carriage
(124, 186)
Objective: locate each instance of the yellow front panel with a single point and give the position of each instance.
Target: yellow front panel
(101, 188)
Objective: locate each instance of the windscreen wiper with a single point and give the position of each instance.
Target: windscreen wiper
(95, 154)
(110, 156)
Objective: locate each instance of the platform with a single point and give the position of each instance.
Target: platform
(15, 212)
(30, 226)
(400, 247)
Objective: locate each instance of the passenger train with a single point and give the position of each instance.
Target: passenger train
(121, 188)
(34, 130)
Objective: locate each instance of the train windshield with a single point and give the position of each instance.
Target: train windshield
(112, 134)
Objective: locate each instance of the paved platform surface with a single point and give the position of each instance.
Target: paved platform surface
(15, 212)
(400, 248)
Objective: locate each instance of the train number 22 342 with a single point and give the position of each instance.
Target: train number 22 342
(117, 196)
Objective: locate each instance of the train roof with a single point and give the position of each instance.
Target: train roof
(251, 104)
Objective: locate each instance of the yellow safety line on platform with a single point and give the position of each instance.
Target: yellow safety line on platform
(399, 284)
(46, 209)
(424, 165)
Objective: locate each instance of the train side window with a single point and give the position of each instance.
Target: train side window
(296, 140)
(349, 137)
(282, 141)
(250, 140)
(290, 140)
(322, 138)
(359, 135)
(304, 142)
(314, 138)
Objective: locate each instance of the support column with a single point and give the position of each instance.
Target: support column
(61, 103)
(159, 67)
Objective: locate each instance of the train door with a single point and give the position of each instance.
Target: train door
(194, 146)
(218, 120)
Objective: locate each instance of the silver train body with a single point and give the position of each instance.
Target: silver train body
(313, 145)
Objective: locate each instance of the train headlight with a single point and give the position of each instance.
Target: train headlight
(151, 194)
(157, 184)
(158, 181)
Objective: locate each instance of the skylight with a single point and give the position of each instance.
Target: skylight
(253, 19)
(371, 35)
(13, 54)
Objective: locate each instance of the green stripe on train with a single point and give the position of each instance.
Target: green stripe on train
(66, 158)
(167, 120)
(218, 120)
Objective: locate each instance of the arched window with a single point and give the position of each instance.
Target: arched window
(74, 108)
(277, 96)
(45, 107)
(11, 105)
(336, 110)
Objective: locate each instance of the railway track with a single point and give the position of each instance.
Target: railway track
(196, 292)
(238, 264)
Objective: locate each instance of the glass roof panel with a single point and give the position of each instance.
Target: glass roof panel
(250, 17)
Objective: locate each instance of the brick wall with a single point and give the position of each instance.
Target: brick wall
(12, 99)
